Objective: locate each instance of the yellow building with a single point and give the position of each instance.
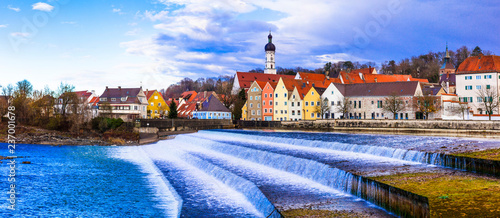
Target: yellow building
(281, 101)
(244, 111)
(157, 107)
(311, 100)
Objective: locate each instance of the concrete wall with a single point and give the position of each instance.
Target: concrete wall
(403, 126)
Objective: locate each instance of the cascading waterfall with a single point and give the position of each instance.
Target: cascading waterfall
(170, 200)
(260, 205)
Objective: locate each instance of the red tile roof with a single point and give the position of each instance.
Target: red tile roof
(378, 89)
(480, 64)
(149, 93)
(189, 95)
(246, 79)
(186, 110)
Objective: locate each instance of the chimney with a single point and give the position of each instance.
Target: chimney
(327, 74)
(146, 90)
(106, 87)
(370, 69)
(119, 87)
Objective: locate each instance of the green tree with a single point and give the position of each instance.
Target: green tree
(238, 104)
(173, 110)
(477, 51)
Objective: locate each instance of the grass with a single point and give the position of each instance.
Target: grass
(452, 195)
(318, 213)
(490, 154)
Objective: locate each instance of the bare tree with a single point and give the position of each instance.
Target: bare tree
(323, 107)
(344, 107)
(394, 104)
(66, 96)
(459, 109)
(426, 104)
(489, 100)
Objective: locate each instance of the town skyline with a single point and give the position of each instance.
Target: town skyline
(158, 43)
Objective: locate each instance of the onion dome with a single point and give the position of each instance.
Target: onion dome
(270, 46)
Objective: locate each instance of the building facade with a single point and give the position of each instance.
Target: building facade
(254, 101)
(125, 103)
(267, 101)
(157, 107)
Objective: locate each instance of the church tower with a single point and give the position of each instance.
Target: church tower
(270, 49)
(447, 67)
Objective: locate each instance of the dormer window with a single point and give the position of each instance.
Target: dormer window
(124, 98)
(113, 99)
(103, 99)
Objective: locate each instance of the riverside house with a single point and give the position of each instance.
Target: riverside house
(125, 103)
(157, 107)
(212, 109)
(254, 100)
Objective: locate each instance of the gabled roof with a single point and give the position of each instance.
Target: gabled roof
(378, 89)
(246, 79)
(370, 70)
(354, 78)
(451, 78)
(202, 96)
(188, 95)
(131, 94)
(213, 104)
(186, 110)
(149, 93)
(432, 90)
(480, 64)
(447, 65)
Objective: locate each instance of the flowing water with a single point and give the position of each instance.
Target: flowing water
(209, 174)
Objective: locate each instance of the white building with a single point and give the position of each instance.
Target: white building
(126, 103)
(476, 75)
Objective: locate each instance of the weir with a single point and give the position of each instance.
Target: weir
(395, 200)
(482, 166)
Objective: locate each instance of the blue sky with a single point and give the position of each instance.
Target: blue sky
(97, 43)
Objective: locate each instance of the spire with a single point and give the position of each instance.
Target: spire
(270, 37)
(447, 53)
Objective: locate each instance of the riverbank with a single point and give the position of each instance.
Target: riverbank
(35, 135)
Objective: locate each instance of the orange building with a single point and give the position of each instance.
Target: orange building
(267, 101)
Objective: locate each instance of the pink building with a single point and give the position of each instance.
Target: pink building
(267, 101)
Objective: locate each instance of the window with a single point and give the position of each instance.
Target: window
(276, 112)
(488, 86)
(298, 104)
(159, 104)
(251, 105)
(298, 112)
(468, 87)
(281, 111)
(479, 77)
(372, 102)
(286, 111)
(135, 107)
(307, 103)
(317, 103)
(113, 99)
(285, 95)
(263, 103)
(152, 104)
(312, 103)
(251, 98)
(258, 105)
(265, 95)
(470, 99)
(354, 104)
(332, 103)
(359, 104)
(285, 103)
(478, 87)
(338, 102)
(257, 97)
(479, 99)
(270, 102)
(293, 103)
(487, 76)
(253, 113)
(293, 112)
(468, 77)
(332, 92)
(312, 93)
(293, 96)
(258, 112)
(156, 111)
(276, 95)
(317, 114)
(103, 99)
(312, 115)
(276, 103)
(265, 110)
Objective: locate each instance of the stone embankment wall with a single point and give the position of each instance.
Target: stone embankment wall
(438, 127)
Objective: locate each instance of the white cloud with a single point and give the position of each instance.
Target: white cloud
(4, 25)
(14, 9)
(69, 22)
(116, 10)
(20, 34)
(42, 7)
(154, 16)
(133, 32)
